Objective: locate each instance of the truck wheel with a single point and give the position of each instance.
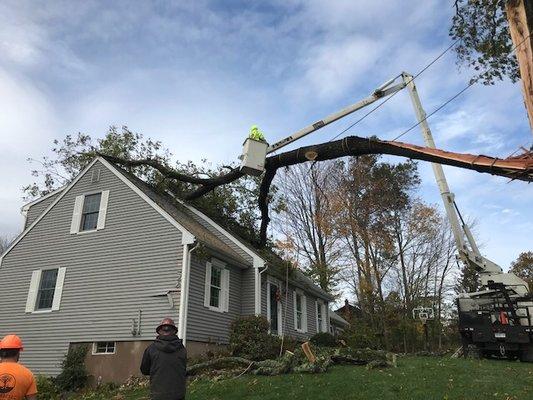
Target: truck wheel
(526, 355)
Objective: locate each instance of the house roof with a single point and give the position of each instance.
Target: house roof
(334, 317)
(185, 214)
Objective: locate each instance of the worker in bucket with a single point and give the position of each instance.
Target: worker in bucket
(256, 134)
(16, 381)
(165, 360)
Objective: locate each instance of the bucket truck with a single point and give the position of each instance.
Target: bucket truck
(498, 318)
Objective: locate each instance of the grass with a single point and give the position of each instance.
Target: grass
(416, 378)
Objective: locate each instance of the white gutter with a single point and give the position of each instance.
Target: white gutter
(188, 248)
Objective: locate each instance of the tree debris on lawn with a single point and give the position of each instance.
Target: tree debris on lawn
(296, 362)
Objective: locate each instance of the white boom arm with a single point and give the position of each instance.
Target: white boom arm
(382, 91)
(471, 256)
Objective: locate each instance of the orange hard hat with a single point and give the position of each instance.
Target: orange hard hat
(11, 342)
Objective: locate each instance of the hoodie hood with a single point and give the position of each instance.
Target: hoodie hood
(168, 344)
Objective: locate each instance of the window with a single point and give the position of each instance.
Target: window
(89, 213)
(104, 348)
(91, 209)
(217, 286)
(47, 287)
(321, 317)
(300, 312)
(46, 290)
(274, 308)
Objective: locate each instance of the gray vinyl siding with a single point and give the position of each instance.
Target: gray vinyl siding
(203, 324)
(222, 237)
(37, 209)
(111, 275)
(248, 291)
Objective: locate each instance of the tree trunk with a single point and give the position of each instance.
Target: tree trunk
(520, 17)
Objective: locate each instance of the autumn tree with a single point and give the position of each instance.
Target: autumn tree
(523, 267)
(307, 206)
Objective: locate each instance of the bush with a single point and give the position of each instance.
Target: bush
(47, 388)
(361, 336)
(249, 338)
(324, 339)
(73, 374)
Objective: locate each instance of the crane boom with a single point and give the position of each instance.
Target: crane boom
(469, 255)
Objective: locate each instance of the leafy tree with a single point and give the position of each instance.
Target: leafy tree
(484, 40)
(523, 267)
(468, 280)
(233, 205)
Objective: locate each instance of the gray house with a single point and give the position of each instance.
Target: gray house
(102, 260)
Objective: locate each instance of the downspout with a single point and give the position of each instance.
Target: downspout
(184, 295)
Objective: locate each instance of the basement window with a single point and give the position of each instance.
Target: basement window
(104, 347)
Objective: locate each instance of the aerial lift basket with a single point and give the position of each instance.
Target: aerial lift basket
(253, 156)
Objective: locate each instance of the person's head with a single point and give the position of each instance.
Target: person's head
(10, 348)
(10, 354)
(167, 327)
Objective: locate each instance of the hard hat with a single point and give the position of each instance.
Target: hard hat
(166, 322)
(11, 342)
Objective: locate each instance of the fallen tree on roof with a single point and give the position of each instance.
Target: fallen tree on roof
(519, 167)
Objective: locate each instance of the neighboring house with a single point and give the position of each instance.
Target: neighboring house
(337, 324)
(349, 312)
(102, 260)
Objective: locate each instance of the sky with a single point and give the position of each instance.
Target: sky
(197, 74)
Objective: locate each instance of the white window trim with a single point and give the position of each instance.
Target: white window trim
(223, 306)
(270, 282)
(304, 327)
(35, 283)
(95, 353)
(77, 213)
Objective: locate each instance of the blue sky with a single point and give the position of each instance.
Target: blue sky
(197, 74)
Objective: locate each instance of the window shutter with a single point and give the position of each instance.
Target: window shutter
(225, 290)
(294, 303)
(34, 288)
(318, 327)
(103, 210)
(304, 313)
(76, 215)
(58, 292)
(207, 284)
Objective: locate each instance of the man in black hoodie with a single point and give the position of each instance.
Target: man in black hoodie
(165, 361)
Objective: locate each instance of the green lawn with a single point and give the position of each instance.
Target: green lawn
(415, 378)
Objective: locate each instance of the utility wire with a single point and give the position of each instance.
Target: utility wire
(394, 94)
(472, 82)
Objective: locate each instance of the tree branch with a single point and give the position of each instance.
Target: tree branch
(520, 167)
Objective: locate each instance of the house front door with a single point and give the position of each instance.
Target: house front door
(273, 309)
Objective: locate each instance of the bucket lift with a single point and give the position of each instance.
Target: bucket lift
(501, 292)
